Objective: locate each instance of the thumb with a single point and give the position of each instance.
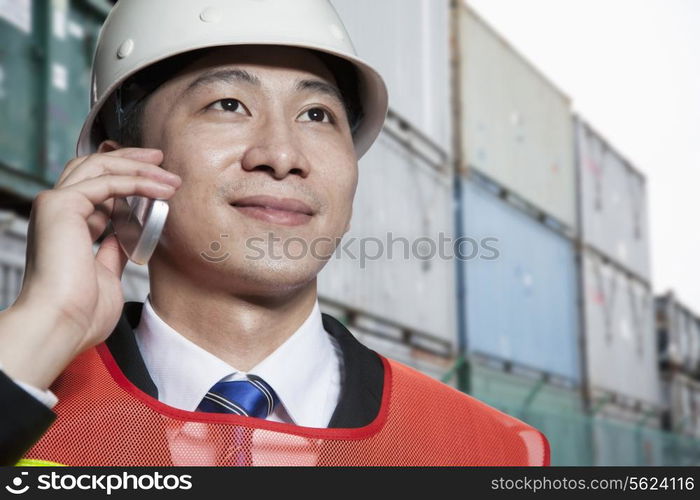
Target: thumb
(111, 255)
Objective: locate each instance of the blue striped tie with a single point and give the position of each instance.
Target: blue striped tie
(250, 398)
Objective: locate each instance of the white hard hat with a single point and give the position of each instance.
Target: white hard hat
(139, 33)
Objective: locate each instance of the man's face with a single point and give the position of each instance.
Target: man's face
(247, 129)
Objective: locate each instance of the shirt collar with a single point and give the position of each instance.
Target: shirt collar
(300, 370)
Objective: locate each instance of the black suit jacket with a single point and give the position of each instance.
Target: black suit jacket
(24, 420)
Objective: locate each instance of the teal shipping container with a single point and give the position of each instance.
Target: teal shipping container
(46, 50)
(556, 410)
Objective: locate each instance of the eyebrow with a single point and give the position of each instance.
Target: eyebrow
(222, 75)
(320, 87)
(242, 76)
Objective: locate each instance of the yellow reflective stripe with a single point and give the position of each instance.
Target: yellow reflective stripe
(31, 462)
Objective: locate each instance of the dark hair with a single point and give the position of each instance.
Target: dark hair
(131, 133)
(135, 91)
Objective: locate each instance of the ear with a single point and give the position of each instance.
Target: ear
(108, 145)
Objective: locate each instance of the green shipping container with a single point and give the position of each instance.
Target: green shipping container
(20, 90)
(576, 437)
(46, 49)
(554, 410)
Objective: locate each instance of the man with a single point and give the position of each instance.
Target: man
(249, 118)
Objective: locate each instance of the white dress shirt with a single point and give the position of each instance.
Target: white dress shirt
(45, 396)
(305, 371)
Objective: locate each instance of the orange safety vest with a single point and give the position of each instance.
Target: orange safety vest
(103, 419)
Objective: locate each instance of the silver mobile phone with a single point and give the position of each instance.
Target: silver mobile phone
(138, 223)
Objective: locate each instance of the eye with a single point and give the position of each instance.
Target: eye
(317, 115)
(232, 105)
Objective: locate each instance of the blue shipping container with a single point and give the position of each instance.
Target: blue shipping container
(521, 298)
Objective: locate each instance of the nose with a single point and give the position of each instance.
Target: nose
(276, 152)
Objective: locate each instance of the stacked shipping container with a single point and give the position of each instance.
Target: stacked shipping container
(678, 331)
(516, 194)
(679, 335)
(516, 126)
(20, 97)
(521, 297)
(613, 203)
(621, 355)
(45, 54)
(621, 358)
(400, 198)
(404, 193)
(517, 141)
(682, 397)
(551, 406)
(408, 42)
(621, 350)
(73, 35)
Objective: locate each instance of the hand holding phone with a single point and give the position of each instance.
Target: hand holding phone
(71, 298)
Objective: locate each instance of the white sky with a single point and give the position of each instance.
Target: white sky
(632, 69)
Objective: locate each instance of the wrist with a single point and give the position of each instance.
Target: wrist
(36, 344)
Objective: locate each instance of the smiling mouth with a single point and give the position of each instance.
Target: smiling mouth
(283, 211)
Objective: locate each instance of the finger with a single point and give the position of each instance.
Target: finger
(149, 155)
(111, 255)
(152, 157)
(70, 166)
(99, 189)
(102, 164)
